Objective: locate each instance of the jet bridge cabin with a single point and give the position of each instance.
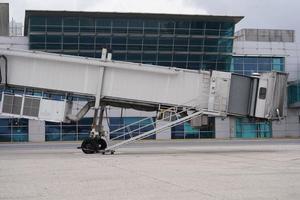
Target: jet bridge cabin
(261, 96)
(185, 95)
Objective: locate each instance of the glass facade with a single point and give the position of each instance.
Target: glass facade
(184, 42)
(246, 128)
(142, 125)
(13, 130)
(294, 93)
(68, 131)
(186, 131)
(247, 65)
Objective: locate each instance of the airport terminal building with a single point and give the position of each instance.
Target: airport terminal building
(196, 42)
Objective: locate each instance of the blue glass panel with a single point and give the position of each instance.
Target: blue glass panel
(119, 56)
(238, 60)
(166, 41)
(207, 134)
(150, 43)
(37, 23)
(225, 45)
(265, 67)
(164, 57)
(86, 42)
(70, 42)
(5, 137)
(135, 26)
(54, 24)
(278, 64)
(103, 22)
(164, 63)
(86, 121)
(151, 24)
(180, 57)
(197, 28)
(196, 41)
(227, 29)
(246, 128)
(117, 47)
(212, 28)
(20, 137)
(87, 25)
(120, 26)
(53, 42)
(53, 131)
(69, 137)
(37, 41)
(211, 45)
(69, 132)
(71, 24)
(181, 41)
(119, 40)
(102, 42)
(150, 57)
(294, 93)
(167, 27)
(195, 58)
(194, 65)
(196, 49)
(135, 40)
(182, 27)
(19, 130)
(190, 132)
(177, 132)
(179, 64)
(250, 60)
(134, 57)
(4, 122)
(82, 136)
(103, 26)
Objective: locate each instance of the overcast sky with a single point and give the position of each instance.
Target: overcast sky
(273, 14)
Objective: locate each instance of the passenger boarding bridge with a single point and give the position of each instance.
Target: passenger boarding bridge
(178, 95)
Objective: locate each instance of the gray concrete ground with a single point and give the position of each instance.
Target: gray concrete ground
(210, 169)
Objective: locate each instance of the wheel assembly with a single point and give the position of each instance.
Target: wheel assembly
(93, 145)
(101, 143)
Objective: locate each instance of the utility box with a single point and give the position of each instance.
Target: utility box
(33, 107)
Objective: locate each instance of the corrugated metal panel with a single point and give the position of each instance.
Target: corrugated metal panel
(240, 92)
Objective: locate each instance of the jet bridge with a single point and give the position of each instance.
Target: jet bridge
(178, 95)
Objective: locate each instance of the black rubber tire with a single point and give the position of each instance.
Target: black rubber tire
(102, 144)
(89, 146)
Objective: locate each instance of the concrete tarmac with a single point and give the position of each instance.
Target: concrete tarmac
(190, 169)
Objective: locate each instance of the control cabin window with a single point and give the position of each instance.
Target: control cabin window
(262, 93)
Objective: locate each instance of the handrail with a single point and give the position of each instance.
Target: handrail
(144, 119)
(158, 129)
(153, 123)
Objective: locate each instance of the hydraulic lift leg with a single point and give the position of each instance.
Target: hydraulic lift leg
(96, 141)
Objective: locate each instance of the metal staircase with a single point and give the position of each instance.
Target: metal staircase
(175, 115)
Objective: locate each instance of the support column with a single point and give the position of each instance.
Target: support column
(165, 134)
(225, 128)
(36, 131)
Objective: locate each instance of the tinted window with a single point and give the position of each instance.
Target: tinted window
(262, 93)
